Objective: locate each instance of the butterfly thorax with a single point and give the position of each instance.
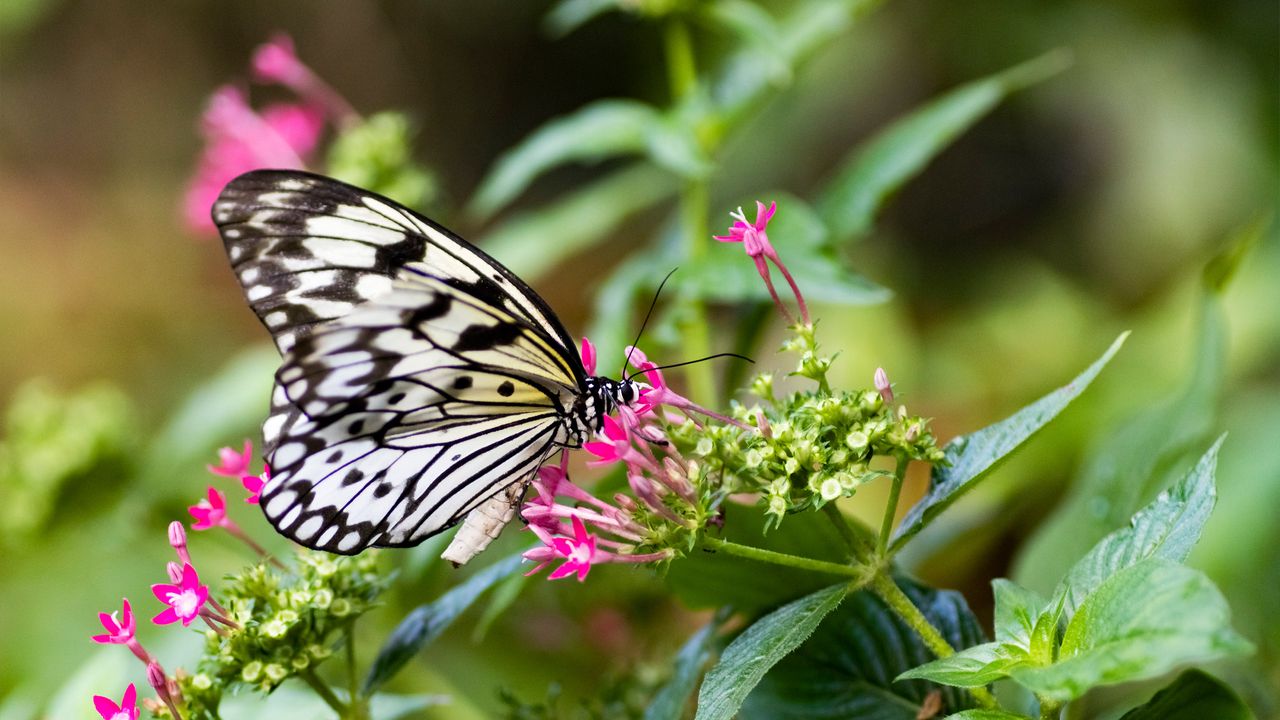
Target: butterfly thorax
(600, 396)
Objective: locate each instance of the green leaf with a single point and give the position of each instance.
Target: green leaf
(986, 715)
(531, 244)
(847, 669)
(377, 154)
(970, 458)
(569, 15)
(599, 131)
(1017, 610)
(876, 169)
(425, 623)
(1142, 622)
(1195, 695)
(503, 597)
(757, 30)
(726, 274)
(972, 667)
(748, 75)
(1129, 463)
(219, 411)
(759, 648)
(1167, 528)
(670, 702)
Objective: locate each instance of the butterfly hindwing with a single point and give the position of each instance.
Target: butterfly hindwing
(420, 377)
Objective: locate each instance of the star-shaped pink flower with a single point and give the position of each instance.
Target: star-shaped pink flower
(755, 240)
(185, 599)
(255, 483)
(120, 626)
(211, 512)
(232, 463)
(616, 448)
(578, 552)
(126, 710)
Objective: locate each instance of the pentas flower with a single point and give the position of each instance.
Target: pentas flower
(185, 599)
(211, 512)
(120, 629)
(275, 61)
(755, 240)
(126, 710)
(238, 140)
(255, 483)
(232, 463)
(562, 528)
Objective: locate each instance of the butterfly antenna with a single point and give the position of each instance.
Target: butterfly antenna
(703, 359)
(647, 315)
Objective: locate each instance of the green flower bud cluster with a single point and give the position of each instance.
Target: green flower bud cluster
(806, 449)
(289, 624)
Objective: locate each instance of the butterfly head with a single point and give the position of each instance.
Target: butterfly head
(601, 396)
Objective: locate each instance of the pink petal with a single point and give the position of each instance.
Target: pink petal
(189, 577)
(603, 450)
(106, 707)
(130, 698)
(298, 125)
(613, 430)
(564, 570)
(562, 546)
(104, 639)
(579, 530)
(162, 591)
(168, 616)
(588, 353)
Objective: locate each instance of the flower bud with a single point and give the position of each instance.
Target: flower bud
(883, 386)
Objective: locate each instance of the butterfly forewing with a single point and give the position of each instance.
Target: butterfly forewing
(419, 378)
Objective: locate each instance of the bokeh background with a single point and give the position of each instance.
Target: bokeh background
(1081, 207)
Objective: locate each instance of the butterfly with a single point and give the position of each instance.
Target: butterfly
(420, 378)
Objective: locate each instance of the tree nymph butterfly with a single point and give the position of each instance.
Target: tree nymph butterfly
(420, 379)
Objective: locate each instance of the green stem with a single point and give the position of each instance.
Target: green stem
(891, 508)
(353, 686)
(858, 550)
(777, 558)
(309, 676)
(682, 71)
(887, 590)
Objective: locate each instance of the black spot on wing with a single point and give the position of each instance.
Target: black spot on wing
(437, 308)
(486, 337)
(506, 389)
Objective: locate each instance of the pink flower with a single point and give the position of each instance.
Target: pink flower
(210, 513)
(126, 710)
(755, 240)
(238, 140)
(185, 599)
(588, 353)
(618, 446)
(578, 552)
(275, 61)
(119, 626)
(232, 463)
(255, 483)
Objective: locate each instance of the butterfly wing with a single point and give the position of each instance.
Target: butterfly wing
(420, 377)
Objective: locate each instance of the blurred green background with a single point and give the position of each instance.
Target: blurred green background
(1081, 207)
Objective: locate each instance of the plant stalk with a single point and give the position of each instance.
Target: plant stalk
(859, 551)
(859, 573)
(891, 507)
(325, 692)
(887, 590)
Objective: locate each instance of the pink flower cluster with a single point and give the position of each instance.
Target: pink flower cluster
(582, 530)
(184, 596)
(282, 136)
